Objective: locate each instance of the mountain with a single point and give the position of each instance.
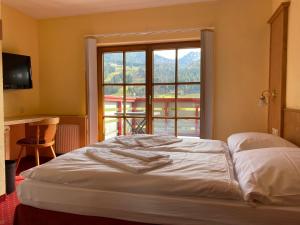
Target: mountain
(162, 60)
(190, 58)
(138, 58)
(163, 72)
(164, 68)
(184, 61)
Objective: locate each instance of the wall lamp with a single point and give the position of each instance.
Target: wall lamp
(265, 97)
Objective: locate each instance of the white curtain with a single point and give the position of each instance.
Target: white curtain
(208, 80)
(92, 88)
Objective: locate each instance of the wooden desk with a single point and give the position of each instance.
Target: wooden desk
(8, 121)
(14, 130)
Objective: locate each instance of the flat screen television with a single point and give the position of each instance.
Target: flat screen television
(16, 71)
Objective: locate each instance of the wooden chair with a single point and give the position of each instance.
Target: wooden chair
(42, 135)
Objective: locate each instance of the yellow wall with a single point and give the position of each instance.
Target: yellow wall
(21, 37)
(241, 55)
(2, 173)
(293, 65)
(62, 47)
(276, 3)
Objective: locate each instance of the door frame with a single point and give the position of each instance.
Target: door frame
(148, 48)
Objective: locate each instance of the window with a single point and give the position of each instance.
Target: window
(150, 89)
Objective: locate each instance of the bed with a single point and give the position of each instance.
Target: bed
(199, 187)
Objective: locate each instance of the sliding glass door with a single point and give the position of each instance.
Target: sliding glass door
(149, 89)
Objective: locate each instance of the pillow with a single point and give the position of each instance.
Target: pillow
(254, 140)
(269, 175)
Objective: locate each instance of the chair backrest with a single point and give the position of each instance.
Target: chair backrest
(44, 130)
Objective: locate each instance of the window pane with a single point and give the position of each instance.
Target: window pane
(188, 102)
(135, 126)
(164, 100)
(136, 100)
(164, 126)
(189, 65)
(113, 127)
(113, 67)
(164, 66)
(189, 127)
(135, 67)
(113, 100)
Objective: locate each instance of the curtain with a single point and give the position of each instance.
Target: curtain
(207, 80)
(92, 88)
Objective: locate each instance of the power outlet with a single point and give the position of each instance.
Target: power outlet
(275, 131)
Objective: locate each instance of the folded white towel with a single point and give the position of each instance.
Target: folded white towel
(146, 140)
(128, 141)
(146, 156)
(156, 140)
(132, 165)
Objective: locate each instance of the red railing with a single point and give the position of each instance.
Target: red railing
(135, 101)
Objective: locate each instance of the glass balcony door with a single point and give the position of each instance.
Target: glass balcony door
(176, 91)
(124, 91)
(149, 89)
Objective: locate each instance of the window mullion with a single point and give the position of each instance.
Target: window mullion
(149, 89)
(124, 93)
(176, 89)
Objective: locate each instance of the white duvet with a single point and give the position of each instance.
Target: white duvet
(193, 172)
(185, 145)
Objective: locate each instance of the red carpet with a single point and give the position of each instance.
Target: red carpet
(9, 202)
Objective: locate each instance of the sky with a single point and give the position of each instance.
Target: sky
(170, 54)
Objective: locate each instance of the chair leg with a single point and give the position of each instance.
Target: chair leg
(53, 152)
(19, 156)
(37, 157)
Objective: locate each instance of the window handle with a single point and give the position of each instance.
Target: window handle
(150, 99)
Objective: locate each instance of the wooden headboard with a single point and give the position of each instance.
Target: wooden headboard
(291, 125)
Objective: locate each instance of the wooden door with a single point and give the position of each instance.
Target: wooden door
(278, 67)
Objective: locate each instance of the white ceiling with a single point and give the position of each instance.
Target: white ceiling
(58, 8)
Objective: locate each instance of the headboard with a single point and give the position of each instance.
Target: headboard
(291, 125)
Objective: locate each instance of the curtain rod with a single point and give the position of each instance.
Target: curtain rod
(109, 35)
(103, 44)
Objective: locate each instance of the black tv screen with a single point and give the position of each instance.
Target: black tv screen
(16, 71)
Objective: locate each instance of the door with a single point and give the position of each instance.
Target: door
(149, 89)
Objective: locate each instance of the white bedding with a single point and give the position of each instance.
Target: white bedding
(190, 173)
(154, 209)
(269, 175)
(129, 162)
(185, 145)
(198, 188)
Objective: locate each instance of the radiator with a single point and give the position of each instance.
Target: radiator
(67, 138)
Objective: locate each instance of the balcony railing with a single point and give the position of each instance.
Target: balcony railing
(162, 107)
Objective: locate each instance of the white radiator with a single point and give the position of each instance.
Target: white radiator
(67, 138)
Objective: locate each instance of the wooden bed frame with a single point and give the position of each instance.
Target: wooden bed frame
(27, 215)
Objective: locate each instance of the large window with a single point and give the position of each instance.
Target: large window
(150, 89)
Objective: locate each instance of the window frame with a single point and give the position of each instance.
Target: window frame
(149, 84)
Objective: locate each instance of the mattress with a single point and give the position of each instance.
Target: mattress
(156, 209)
